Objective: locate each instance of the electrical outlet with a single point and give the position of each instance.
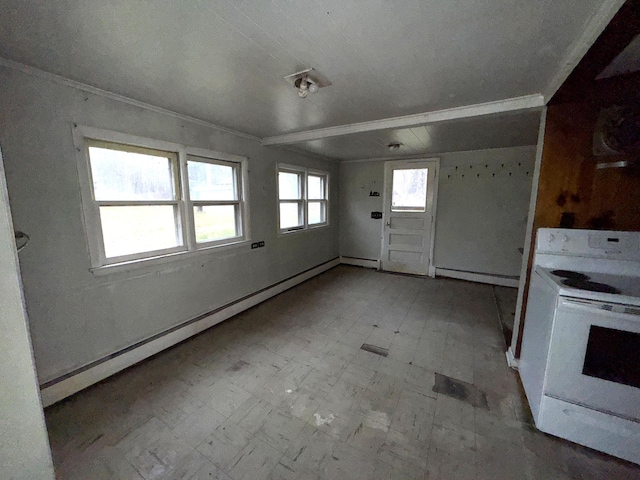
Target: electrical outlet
(259, 244)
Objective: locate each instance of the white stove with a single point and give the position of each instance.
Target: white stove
(580, 358)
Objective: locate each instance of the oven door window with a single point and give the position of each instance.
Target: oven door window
(613, 355)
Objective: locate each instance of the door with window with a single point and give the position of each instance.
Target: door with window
(409, 201)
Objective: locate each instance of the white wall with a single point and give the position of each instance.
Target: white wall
(480, 221)
(360, 235)
(77, 318)
(483, 203)
(24, 447)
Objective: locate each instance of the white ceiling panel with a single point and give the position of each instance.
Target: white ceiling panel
(224, 61)
(480, 133)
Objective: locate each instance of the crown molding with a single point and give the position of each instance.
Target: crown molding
(517, 104)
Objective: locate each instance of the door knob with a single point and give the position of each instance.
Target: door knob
(388, 224)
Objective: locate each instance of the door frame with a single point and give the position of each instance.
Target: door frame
(431, 269)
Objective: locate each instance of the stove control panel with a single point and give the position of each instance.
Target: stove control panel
(589, 243)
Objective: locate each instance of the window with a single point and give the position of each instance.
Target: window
(317, 199)
(145, 199)
(303, 200)
(409, 190)
(214, 188)
(136, 194)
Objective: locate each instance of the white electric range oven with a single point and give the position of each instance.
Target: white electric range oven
(580, 357)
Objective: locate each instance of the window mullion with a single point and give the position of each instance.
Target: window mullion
(188, 229)
(305, 209)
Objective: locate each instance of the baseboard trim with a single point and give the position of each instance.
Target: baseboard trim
(512, 361)
(360, 262)
(478, 277)
(58, 389)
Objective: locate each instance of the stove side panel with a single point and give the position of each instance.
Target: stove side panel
(541, 307)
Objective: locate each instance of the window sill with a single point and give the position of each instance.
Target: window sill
(282, 233)
(150, 264)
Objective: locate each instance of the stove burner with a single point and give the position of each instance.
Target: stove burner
(591, 286)
(570, 274)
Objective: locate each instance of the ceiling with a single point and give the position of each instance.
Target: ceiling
(224, 61)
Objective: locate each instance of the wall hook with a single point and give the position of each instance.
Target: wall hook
(22, 239)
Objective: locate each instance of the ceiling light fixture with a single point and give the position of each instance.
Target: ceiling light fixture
(307, 81)
(394, 146)
(305, 85)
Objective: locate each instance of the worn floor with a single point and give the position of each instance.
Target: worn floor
(283, 391)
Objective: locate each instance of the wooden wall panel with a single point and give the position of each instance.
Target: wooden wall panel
(616, 196)
(567, 168)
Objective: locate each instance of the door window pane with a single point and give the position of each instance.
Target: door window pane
(317, 213)
(290, 215)
(120, 175)
(208, 181)
(135, 229)
(315, 187)
(289, 186)
(409, 190)
(215, 222)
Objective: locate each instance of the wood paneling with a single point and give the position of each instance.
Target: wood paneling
(570, 183)
(567, 168)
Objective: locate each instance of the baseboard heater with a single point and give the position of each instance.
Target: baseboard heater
(492, 279)
(360, 262)
(59, 388)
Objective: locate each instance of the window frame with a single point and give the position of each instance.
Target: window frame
(84, 137)
(303, 173)
(177, 201)
(324, 201)
(239, 173)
